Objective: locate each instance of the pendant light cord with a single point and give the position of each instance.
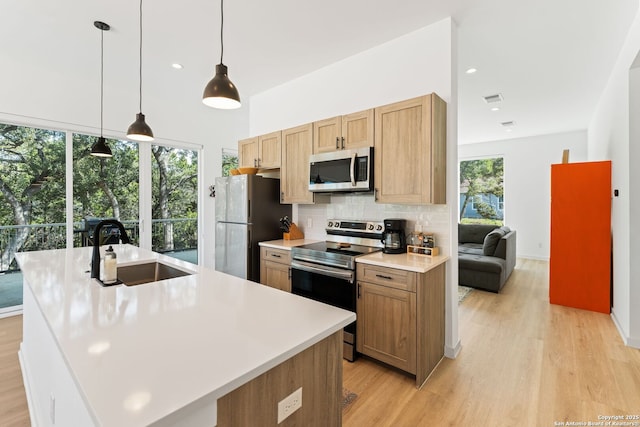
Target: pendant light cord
(101, 77)
(221, 27)
(140, 56)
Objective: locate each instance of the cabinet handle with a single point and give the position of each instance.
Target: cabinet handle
(342, 142)
(282, 196)
(258, 162)
(359, 286)
(337, 143)
(375, 194)
(255, 163)
(289, 273)
(384, 277)
(276, 256)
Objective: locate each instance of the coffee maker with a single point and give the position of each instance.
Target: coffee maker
(393, 236)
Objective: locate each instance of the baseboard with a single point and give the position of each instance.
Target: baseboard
(16, 310)
(534, 257)
(452, 352)
(27, 387)
(628, 341)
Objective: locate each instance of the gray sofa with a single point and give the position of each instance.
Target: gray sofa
(486, 255)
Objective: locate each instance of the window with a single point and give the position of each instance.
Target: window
(32, 200)
(229, 161)
(104, 188)
(482, 191)
(174, 175)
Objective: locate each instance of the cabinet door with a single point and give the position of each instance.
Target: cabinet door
(248, 152)
(410, 151)
(297, 145)
(270, 150)
(387, 325)
(326, 135)
(357, 130)
(276, 275)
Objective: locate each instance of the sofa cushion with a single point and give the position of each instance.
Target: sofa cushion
(487, 264)
(470, 249)
(491, 241)
(474, 233)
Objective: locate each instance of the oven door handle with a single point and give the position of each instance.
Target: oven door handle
(324, 270)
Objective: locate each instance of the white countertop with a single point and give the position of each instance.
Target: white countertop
(410, 262)
(171, 342)
(286, 244)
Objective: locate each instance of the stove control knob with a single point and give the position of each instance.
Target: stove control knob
(370, 226)
(379, 227)
(330, 224)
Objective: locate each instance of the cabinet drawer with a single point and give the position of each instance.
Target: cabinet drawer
(391, 277)
(276, 255)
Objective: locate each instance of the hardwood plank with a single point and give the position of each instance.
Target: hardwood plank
(13, 400)
(524, 362)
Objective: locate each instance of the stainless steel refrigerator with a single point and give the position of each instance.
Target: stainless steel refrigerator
(248, 211)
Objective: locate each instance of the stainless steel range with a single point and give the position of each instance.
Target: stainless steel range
(326, 271)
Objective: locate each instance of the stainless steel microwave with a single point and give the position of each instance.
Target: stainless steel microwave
(344, 170)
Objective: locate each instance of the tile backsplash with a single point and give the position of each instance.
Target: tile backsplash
(431, 218)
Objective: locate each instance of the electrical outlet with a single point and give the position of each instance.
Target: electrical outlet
(52, 409)
(289, 405)
(309, 222)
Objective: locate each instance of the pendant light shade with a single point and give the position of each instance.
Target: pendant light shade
(220, 92)
(140, 130)
(100, 147)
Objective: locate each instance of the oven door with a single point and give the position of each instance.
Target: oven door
(333, 286)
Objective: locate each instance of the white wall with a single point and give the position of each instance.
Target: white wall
(527, 182)
(613, 135)
(418, 63)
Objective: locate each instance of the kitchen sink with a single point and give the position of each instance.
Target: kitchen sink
(138, 274)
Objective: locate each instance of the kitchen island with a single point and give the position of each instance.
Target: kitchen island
(203, 349)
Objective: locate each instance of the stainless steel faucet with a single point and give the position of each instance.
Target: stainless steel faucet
(95, 259)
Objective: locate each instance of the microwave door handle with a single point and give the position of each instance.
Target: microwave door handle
(353, 169)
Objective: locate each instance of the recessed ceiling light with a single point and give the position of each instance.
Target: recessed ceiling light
(177, 66)
(495, 109)
(471, 70)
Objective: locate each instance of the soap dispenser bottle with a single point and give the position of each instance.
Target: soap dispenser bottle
(110, 267)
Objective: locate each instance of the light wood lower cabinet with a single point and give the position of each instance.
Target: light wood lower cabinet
(275, 268)
(401, 317)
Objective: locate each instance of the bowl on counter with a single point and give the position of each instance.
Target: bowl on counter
(234, 172)
(248, 171)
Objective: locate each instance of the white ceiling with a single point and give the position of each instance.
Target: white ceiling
(548, 58)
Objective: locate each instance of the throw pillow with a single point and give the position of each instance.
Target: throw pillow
(491, 241)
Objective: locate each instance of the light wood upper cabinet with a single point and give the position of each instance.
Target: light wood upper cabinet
(344, 132)
(297, 145)
(410, 151)
(248, 152)
(262, 151)
(270, 150)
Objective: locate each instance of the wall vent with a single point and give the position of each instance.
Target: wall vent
(508, 124)
(493, 98)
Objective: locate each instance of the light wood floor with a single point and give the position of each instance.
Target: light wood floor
(523, 362)
(13, 402)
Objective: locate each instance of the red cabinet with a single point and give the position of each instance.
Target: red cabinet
(580, 259)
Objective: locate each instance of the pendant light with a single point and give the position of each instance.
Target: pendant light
(100, 147)
(220, 92)
(140, 130)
